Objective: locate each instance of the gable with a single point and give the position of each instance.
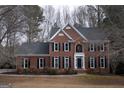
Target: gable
(73, 32)
(61, 34)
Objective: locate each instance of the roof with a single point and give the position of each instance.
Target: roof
(92, 33)
(89, 33)
(33, 48)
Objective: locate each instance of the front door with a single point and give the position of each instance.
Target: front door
(79, 62)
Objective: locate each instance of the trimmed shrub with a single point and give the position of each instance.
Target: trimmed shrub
(89, 71)
(120, 68)
(26, 71)
(52, 71)
(70, 71)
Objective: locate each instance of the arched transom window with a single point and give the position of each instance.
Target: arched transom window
(79, 48)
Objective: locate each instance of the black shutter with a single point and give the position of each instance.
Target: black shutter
(106, 63)
(63, 46)
(69, 46)
(62, 62)
(95, 63)
(88, 62)
(52, 46)
(28, 63)
(22, 62)
(59, 62)
(44, 62)
(37, 62)
(52, 61)
(69, 62)
(99, 61)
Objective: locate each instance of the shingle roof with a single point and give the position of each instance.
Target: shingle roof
(92, 33)
(89, 33)
(33, 48)
(53, 31)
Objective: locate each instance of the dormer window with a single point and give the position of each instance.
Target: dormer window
(56, 46)
(92, 47)
(66, 46)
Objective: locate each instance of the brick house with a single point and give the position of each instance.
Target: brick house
(75, 47)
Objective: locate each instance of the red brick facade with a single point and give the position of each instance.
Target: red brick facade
(76, 39)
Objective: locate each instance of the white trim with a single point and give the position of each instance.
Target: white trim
(55, 34)
(41, 62)
(83, 60)
(68, 27)
(102, 57)
(92, 59)
(92, 44)
(31, 55)
(24, 63)
(58, 32)
(57, 46)
(67, 35)
(65, 61)
(65, 46)
(56, 58)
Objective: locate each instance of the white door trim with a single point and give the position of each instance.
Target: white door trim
(75, 61)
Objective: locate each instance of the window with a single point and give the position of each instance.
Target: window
(26, 63)
(68, 27)
(79, 48)
(66, 62)
(41, 62)
(56, 62)
(102, 47)
(92, 62)
(56, 46)
(91, 47)
(102, 62)
(66, 46)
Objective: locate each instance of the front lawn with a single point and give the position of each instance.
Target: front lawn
(63, 81)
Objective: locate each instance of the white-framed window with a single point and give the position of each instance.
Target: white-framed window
(92, 47)
(66, 62)
(66, 46)
(56, 62)
(102, 47)
(56, 46)
(41, 63)
(102, 62)
(26, 63)
(92, 62)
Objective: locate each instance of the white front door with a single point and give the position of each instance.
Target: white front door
(79, 62)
